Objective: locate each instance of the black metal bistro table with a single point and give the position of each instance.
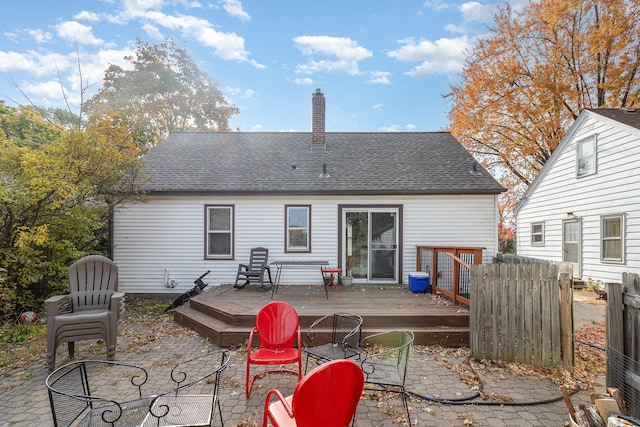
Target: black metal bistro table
(280, 265)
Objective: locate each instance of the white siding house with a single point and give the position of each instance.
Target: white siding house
(584, 205)
(215, 195)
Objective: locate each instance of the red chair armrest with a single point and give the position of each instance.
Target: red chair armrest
(281, 398)
(250, 344)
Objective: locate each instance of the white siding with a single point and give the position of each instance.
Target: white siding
(613, 189)
(168, 233)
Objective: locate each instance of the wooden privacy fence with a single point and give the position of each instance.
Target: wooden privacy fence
(623, 339)
(522, 313)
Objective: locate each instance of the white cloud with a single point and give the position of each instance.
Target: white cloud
(442, 56)
(377, 107)
(438, 5)
(50, 90)
(152, 31)
(312, 67)
(87, 16)
(303, 81)
(256, 128)
(248, 94)
(40, 36)
(234, 8)
(476, 12)
(228, 46)
(392, 128)
(346, 51)
(379, 77)
(77, 33)
(36, 63)
(231, 90)
(340, 47)
(410, 127)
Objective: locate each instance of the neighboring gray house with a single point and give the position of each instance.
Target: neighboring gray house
(584, 205)
(361, 201)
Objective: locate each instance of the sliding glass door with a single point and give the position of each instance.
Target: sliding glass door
(370, 239)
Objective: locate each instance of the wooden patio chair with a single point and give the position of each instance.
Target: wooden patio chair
(385, 361)
(91, 309)
(278, 332)
(328, 396)
(254, 272)
(344, 339)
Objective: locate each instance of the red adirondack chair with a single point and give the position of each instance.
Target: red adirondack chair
(327, 396)
(278, 330)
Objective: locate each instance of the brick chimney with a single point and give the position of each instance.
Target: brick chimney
(317, 121)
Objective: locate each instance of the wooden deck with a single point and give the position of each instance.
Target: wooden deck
(225, 315)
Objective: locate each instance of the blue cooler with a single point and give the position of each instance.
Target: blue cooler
(419, 282)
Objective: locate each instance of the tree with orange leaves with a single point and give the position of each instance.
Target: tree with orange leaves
(526, 82)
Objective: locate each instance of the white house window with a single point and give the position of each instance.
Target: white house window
(298, 228)
(612, 242)
(586, 156)
(537, 234)
(219, 232)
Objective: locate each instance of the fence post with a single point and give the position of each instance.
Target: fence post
(566, 321)
(614, 325)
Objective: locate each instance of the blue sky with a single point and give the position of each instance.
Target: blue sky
(383, 65)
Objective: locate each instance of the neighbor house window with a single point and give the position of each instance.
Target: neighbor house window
(586, 156)
(537, 234)
(298, 228)
(612, 243)
(219, 234)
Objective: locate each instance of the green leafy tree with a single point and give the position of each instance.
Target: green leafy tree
(164, 91)
(55, 199)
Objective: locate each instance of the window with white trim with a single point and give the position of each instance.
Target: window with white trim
(586, 156)
(219, 231)
(612, 241)
(537, 233)
(298, 228)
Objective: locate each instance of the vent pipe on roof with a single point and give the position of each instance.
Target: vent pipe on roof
(324, 173)
(318, 121)
(474, 169)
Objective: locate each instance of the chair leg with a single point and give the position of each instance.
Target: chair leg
(248, 382)
(219, 412)
(51, 360)
(405, 403)
(306, 364)
(71, 346)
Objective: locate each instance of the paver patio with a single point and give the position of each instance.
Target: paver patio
(156, 343)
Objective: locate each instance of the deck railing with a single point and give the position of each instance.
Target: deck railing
(449, 269)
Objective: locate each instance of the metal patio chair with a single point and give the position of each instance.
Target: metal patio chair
(344, 339)
(328, 396)
(385, 360)
(178, 407)
(278, 331)
(104, 393)
(91, 309)
(254, 272)
(74, 400)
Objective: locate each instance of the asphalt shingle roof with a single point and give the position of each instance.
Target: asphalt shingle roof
(628, 116)
(357, 163)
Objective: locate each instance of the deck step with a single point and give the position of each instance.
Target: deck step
(223, 334)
